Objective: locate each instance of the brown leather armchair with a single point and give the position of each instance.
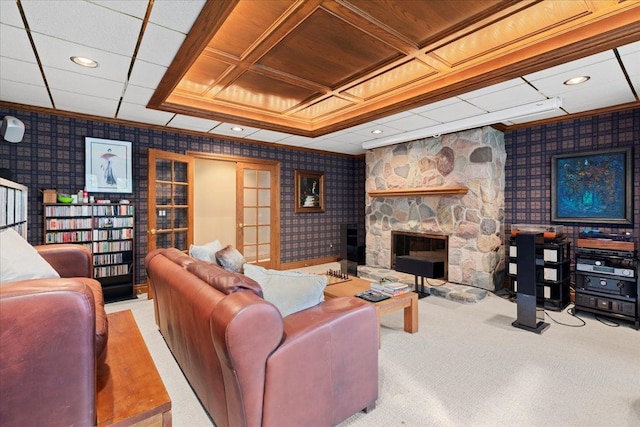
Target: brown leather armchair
(53, 335)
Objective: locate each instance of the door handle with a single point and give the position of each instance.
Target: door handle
(241, 225)
(153, 231)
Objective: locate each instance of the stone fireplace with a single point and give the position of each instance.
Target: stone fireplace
(472, 222)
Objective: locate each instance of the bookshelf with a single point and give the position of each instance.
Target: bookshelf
(13, 206)
(107, 230)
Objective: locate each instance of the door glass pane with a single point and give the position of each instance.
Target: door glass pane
(180, 194)
(264, 179)
(264, 197)
(264, 252)
(264, 232)
(264, 216)
(180, 240)
(250, 178)
(163, 220)
(163, 240)
(250, 235)
(250, 254)
(163, 170)
(163, 194)
(181, 217)
(250, 197)
(250, 216)
(180, 172)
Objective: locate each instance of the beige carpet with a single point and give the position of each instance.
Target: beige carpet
(467, 366)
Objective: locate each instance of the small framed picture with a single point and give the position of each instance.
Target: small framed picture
(309, 191)
(108, 166)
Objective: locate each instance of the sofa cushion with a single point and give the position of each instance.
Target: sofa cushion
(289, 291)
(230, 259)
(205, 252)
(221, 279)
(20, 261)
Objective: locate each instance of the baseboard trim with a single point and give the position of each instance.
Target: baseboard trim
(308, 262)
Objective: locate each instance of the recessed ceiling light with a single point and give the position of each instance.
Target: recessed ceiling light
(577, 80)
(84, 61)
(237, 129)
(376, 131)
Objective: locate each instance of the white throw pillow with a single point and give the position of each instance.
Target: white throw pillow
(205, 252)
(20, 261)
(289, 291)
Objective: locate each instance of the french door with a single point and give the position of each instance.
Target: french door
(258, 213)
(170, 201)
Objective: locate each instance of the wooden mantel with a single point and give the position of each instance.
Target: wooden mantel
(458, 190)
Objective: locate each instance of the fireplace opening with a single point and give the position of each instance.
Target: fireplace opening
(428, 251)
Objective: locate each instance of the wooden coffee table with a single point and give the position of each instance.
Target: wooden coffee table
(408, 301)
(130, 390)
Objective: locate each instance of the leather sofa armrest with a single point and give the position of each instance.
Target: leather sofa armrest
(69, 260)
(329, 350)
(47, 352)
(245, 331)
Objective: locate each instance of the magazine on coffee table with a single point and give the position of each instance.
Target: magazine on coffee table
(372, 296)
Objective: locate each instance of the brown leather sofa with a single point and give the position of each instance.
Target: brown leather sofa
(53, 335)
(251, 367)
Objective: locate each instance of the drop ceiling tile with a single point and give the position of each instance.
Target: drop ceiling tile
(192, 123)
(20, 71)
(269, 135)
(146, 74)
(602, 73)
(159, 45)
(139, 113)
(411, 122)
(19, 46)
(56, 53)
(366, 131)
(10, 14)
(435, 105)
(24, 94)
(339, 136)
(570, 69)
(137, 95)
(83, 84)
(225, 129)
(336, 147)
(87, 104)
(393, 117)
(504, 96)
(630, 56)
(297, 140)
(176, 15)
(453, 111)
(612, 93)
(84, 23)
(134, 8)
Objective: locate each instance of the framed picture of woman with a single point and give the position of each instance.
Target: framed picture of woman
(108, 166)
(309, 191)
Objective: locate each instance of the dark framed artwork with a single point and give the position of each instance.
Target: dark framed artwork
(593, 187)
(309, 191)
(108, 166)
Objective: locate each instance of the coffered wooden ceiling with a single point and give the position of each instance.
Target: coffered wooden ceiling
(310, 67)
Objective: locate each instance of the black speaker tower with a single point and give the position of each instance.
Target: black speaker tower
(526, 277)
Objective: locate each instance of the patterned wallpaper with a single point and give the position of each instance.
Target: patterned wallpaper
(51, 155)
(528, 167)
